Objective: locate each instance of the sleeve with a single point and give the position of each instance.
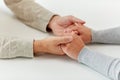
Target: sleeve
(12, 47)
(106, 65)
(111, 36)
(30, 13)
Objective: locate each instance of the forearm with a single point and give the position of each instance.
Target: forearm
(30, 13)
(103, 64)
(106, 36)
(12, 47)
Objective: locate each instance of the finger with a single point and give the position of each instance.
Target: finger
(61, 52)
(74, 35)
(70, 29)
(63, 47)
(76, 20)
(76, 32)
(64, 39)
(71, 33)
(78, 25)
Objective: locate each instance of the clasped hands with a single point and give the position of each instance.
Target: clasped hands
(71, 35)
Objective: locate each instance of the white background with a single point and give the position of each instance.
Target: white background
(98, 14)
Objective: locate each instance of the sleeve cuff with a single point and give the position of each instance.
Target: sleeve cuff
(26, 49)
(13, 47)
(45, 22)
(94, 36)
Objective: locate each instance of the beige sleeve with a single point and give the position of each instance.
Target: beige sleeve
(12, 47)
(30, 13)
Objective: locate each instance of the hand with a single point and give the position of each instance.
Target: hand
(73, 48)
(84, 32)
(59, 24)
(51, 45)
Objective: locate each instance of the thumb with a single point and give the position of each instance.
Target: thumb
(64, 39)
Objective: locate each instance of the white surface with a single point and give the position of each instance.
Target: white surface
(99, 14)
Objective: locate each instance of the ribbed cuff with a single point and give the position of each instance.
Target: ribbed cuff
(25, 49)
(95, 37)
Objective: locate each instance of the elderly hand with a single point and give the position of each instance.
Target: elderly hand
(58, 24)
(73, 48)
(51, 45)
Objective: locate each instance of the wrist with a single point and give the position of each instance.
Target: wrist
(77, 55)
(52, 21)
(87, 36)
(38, 47)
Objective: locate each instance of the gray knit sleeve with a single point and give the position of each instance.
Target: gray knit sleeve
(12, 47)
(111, 36)
(106, 65)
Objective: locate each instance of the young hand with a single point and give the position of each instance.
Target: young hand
(73, 48)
